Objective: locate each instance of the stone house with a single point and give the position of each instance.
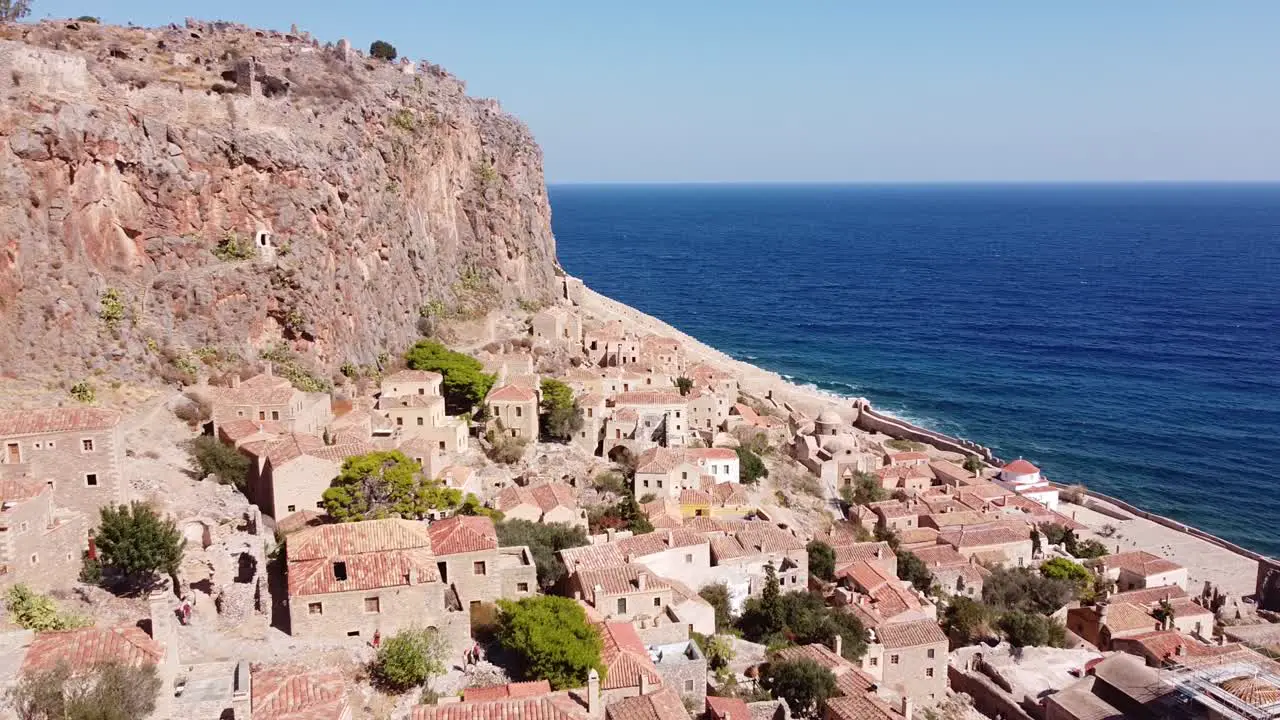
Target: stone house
(355, 579)
(696, 614)
(708, 411)
(1131, 613)
(740, 557)
(291, 475)
(830, 450)
(906, 458)
(622, 593)
(877, 553)
(546, 503)
(239, 433)
(722, 500)
(628, 664)
(911, 477)
(665, 704)
(1139, 569)
(678, 554)
(413, 413)
(662, 353)
(878, 598)
(594, 412)
(895, 515)
(663, 417)
(713, 379)
(469, 561)
(266, 397)
(913, 660)
(127, 644)
(857, 694)
(952, 571)
(40, 545)
(667, 471)
(423, 383)
(683, 669)
(514, 410)
(79, 452)
(557, 325)
(999, 544)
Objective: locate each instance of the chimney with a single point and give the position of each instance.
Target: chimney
(644, 683)
(907, 707)
(235, 380)
(593, 692)
(642, 580)
(879, 551)
(1102, 612)
(270, 371)
(608, 534)
(837, 645)
(1180, 650)
(413, 575)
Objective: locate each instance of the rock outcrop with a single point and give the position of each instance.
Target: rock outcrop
(178, 190)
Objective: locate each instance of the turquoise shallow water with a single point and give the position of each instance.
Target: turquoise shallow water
(1125, 337)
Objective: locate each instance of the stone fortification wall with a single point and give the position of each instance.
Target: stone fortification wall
(872, 421)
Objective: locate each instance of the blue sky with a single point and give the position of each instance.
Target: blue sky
(1096, 90)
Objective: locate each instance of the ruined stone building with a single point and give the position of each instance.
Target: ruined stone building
(469, 561)
(40, 544)
(77, 452)
(266, 397)
(549, 502)
(514, 411)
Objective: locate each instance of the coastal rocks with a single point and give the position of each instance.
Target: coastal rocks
(241, 221)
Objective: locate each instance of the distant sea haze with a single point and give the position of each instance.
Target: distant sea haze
(1126, 337)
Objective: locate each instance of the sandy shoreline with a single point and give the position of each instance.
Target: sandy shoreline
(1228, 569)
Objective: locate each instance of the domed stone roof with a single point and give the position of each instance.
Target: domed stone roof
(1254, 691)
(829, 417)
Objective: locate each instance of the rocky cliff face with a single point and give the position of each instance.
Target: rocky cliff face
(171, 191)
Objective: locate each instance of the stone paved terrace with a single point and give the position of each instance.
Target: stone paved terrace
(1234, 574)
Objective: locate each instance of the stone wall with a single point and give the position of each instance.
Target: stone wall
(40, 548)
(873, 421)
(346, 614)
(988, 698)
(62, 459)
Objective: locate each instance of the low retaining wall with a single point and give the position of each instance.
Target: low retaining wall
(988, 698)
(872, 421)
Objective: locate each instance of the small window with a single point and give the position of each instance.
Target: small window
(49, 444)
(86, 444)
(400, 421)
(519, 411)
(677, 413)
(688, 686)
(659, 483)
(353, 633)
(275, 414)
(422, 391)
(38, 445)
(928, 672)
(421, 421)
(657, 602)
(893, 659)
(23, 527)
(478, 568)
(873, 662)
(372, 605)
(91, 479)
(340, 571)
(522, 587)
(442, 445)
(622, 606)
(320, 504)
(688, 558)
(262, 414)
(684, 475)
(931, 651)
(35, 559)
(292, 508)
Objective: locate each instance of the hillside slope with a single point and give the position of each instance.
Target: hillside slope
(139, 169)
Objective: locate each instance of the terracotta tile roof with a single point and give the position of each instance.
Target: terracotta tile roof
(985, 490)
(1255, 691)
(16, 490)
(662, 705)
(545, 497)
(859, 706)
(890, 476)
(512, 393)
(723, 708)
(376, 553)
(945, 470)
(1127, 617)
(649, 397)
(553, 707)
(940, 556)
(462, 534)
(817, 653)
(658, 541)
(910, 634)
(413, 376)
(510, 690)
(767, 538)
(590, 557)
(18, 423)
(704, 524)
(261, 389)
(83, 648)
(663, 513)
(730, 494)
(288, 692)
(1020, 467)
(237, 430)
(618, 580)
(287, 448)
(590, 400)
(912, 536)
(409, 401)
(894, 509)
(1140, 562)
(690, 496)
(865, 575)
(944, 520)
(625, 657)
(726, 548)
(983, 536)
(339, 453)
(868, 551)
(1149, 595)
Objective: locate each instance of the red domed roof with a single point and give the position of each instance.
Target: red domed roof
(1021, 467)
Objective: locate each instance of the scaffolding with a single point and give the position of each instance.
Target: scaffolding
(1202, 681)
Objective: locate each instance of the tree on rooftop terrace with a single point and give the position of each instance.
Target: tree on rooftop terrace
(382, 50)
(804, 684)
(822, 559)
(465, 381)
(551, 639)
(383, 484)
(559, 415)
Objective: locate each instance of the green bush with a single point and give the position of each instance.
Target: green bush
(551, 639)
(863, 489)
(611, 481)
(905, 445)
(111, 308)
(211, 457)
(33, 611)
(684, 385)
(136, 542)
(804, 684)
(1064, 569)
(231, 248)
(83, 392)
(105, 691)
(559, 415)
(544, 540)
(1021, 589)
(913, 569)
(1032, 630)
(752, 467)
(403, 119)
(382, 50)
(505, 449)
(822, 560)
(966, 621)
(410, 658)
(717, 596)
(465, 382)
(774, 618)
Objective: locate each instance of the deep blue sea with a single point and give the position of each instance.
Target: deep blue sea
(1123, 337)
